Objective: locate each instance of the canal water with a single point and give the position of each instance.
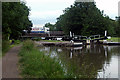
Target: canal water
(90, 61)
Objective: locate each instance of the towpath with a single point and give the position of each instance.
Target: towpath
(10, 63)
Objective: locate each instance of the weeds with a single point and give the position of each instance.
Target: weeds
(114, 39)
(35, 64)
(5, 46)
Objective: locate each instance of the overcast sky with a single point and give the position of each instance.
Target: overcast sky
(44, 11)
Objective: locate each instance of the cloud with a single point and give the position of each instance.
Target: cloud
(49, 1)
(44, 5)
(110, 7)
(46, 14)
(43, 11)
(40, 18)
(38, 21)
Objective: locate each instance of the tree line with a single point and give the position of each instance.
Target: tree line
(14, 19)
(84, 18)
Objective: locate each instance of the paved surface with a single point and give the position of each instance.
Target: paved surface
(0, 67)
(9, 63)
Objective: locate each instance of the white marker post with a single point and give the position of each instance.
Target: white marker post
(70, 34)
(73, 34)
(105, 33)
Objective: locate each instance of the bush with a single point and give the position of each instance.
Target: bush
(5, 46)
(17, 41)
(28, 45)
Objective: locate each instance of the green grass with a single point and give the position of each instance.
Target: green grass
(35, 64)
(114, 39)
(6, 45)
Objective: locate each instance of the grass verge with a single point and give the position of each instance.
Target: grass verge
(114, 39)
(6, 46)
(35, 64)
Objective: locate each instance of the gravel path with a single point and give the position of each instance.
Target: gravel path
(9, 63)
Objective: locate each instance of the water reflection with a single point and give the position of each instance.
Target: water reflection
(91, 61)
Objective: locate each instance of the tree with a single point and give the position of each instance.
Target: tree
(84, 18)
(15, 19)
(51, 26)
(117, 29)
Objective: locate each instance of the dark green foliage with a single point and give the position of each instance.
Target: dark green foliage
(28, 45)
(85, 19)
(17, 41)
(5, 46)
(118, 26)
(51, 26)
(15, 19)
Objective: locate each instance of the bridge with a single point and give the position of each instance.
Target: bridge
(53, 35)
(39, 35)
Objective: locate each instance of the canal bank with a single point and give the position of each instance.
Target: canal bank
(88, 61)
(35, 64)
(75, 44)
(60, 44)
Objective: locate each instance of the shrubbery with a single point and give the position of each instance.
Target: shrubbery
(28, 45)
(5, 46)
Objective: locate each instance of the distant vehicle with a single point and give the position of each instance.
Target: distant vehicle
(40, 30)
